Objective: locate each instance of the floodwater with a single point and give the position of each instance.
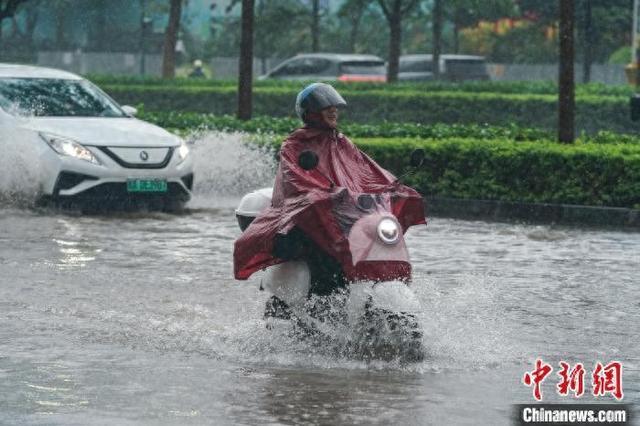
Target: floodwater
(135, 319)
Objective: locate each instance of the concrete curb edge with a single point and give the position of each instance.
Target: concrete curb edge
(560, 214)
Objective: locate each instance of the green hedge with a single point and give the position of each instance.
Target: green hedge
(185, 121)
(514, 87)
(594, 113)
(506, 170)
(600, 171)
(189, 121)
(541, 172)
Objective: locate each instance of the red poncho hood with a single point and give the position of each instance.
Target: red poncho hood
(306, 198)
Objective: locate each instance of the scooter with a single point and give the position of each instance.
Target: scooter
(369, 295)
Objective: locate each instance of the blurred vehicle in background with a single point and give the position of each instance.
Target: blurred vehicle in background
(87, 150)
(330, 67)
(452, 68)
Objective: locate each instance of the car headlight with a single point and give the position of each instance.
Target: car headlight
(68, 147)
(388, 231)
(183, 151)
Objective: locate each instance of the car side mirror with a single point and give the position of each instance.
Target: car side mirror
(129, 110)
(417, 157)
(308, 160)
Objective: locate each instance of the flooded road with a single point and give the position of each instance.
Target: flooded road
(135, 319)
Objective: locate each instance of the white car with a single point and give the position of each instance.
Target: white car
(90, 151)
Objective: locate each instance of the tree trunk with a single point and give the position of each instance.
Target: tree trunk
(395, 41)
(15, 28)
(142, 41)
(354, 15)
(261, 49)
(456, 37)
(394, 15)
(101, 24)
(315, 26)
(587, 42)
(60, 14)
(437, 37)
(353, 34)
(245, 79)
(566, 105)
(32, 21)
(171, 39)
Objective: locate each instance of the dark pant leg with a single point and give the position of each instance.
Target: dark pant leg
(326, 274)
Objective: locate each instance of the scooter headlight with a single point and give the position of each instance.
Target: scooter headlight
(388, 231)
(64, 146)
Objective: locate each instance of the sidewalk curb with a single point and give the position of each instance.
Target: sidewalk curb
(560, 214)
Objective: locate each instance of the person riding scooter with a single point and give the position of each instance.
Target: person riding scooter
(290, 229)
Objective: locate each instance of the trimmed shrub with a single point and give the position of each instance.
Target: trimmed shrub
(594, 113)
(513, 87)
(186, 121)
(541, 172)
(284, 125)
(499, 169)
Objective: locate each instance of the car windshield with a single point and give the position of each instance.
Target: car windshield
(363, 68)
(42, 97)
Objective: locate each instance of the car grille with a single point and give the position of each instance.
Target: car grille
(139, 158)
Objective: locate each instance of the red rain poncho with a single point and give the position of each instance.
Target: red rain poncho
(305, 199)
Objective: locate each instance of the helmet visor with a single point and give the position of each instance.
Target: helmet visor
(323, 96)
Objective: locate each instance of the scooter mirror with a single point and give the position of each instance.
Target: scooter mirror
(417, 157)
(308, 160)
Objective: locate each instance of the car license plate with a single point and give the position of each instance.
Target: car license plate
(146, 185)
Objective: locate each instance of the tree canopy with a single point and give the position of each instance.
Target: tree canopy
(503, 30)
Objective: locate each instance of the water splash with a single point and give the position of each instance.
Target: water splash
(19, 172)
(463, 325)
(198, 329)
(357, 325)
(228, 165)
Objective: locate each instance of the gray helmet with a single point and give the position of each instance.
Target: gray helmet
(316, 97)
